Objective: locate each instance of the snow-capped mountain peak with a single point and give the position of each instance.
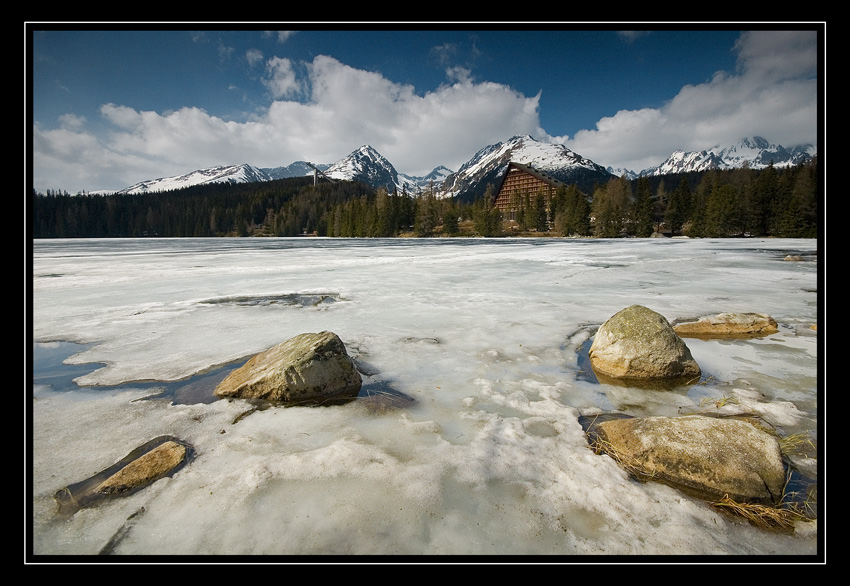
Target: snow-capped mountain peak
(490, 163)
(243, 173)
(367, 165)
(757, 153)
(753, 152)
(681, 161)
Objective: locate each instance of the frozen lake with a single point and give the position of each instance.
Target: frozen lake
(486, 336)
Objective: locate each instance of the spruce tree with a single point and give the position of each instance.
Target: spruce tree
(450, 215)
(642, 209)
(678, 207)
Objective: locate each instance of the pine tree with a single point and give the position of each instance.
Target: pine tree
(450, 215)
(611, 207)
(721, 211)
(642, 209)
(765, 189)
(571, 212)
(486, 218)
(427, 215)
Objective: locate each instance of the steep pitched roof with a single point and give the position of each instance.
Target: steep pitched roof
(531, 171)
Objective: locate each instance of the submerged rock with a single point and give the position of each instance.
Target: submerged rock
(639, 344)
(307, 368)
(728, 325)
(709, 457)
(380, 398)
(158, 458)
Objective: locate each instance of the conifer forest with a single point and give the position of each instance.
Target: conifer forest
(728, 203)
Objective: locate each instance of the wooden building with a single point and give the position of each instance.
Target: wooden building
(521, 183)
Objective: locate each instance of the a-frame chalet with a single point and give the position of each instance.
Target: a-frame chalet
(521, 182)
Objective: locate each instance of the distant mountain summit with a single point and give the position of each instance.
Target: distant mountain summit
(491, 162)
(755, 153)
(296, 169)
(758, 153)
(222, 174)
(684, 162)
(367, 166)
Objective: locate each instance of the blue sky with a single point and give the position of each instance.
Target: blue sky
(114, 107)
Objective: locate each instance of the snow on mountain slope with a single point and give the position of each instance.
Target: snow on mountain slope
(296, 169)
(487, 166)
(367, 165)
(682, 162)
(434, 180)
(370, 167)
(222, 174)
(490, 163)
(755, 153)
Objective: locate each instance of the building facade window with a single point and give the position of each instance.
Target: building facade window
(520, 184)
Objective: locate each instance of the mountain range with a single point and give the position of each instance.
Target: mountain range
(368, 166)
(755, 152)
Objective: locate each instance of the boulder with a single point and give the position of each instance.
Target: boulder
(639, 344)
(708, 457)
(142, 471)
(728, 325)
(309, 368)
(158, 458)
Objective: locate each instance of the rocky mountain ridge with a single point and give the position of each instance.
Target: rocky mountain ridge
(485, 168)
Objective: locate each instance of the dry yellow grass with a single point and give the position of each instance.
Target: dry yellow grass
(766, 517)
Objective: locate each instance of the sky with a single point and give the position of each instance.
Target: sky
(114, 105)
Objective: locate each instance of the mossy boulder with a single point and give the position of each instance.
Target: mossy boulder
(639, 344)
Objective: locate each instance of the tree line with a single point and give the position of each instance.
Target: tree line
(283, 207)
(729, 203)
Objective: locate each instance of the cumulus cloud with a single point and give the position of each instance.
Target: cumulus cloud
(772, 93)
(342, 108)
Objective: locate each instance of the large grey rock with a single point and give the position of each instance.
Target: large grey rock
(728, 325)
(639, 344)
(706, 456)
(306, 368)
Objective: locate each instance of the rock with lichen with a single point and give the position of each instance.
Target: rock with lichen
(307, 368)
(639, 344)
(709, 457)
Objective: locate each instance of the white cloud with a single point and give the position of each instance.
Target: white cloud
(280, 78)
(254, 56)
(347, 108)
(72, 121)
(282, 36)
(773, 93)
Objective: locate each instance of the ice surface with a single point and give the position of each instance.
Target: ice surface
(486, 336)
